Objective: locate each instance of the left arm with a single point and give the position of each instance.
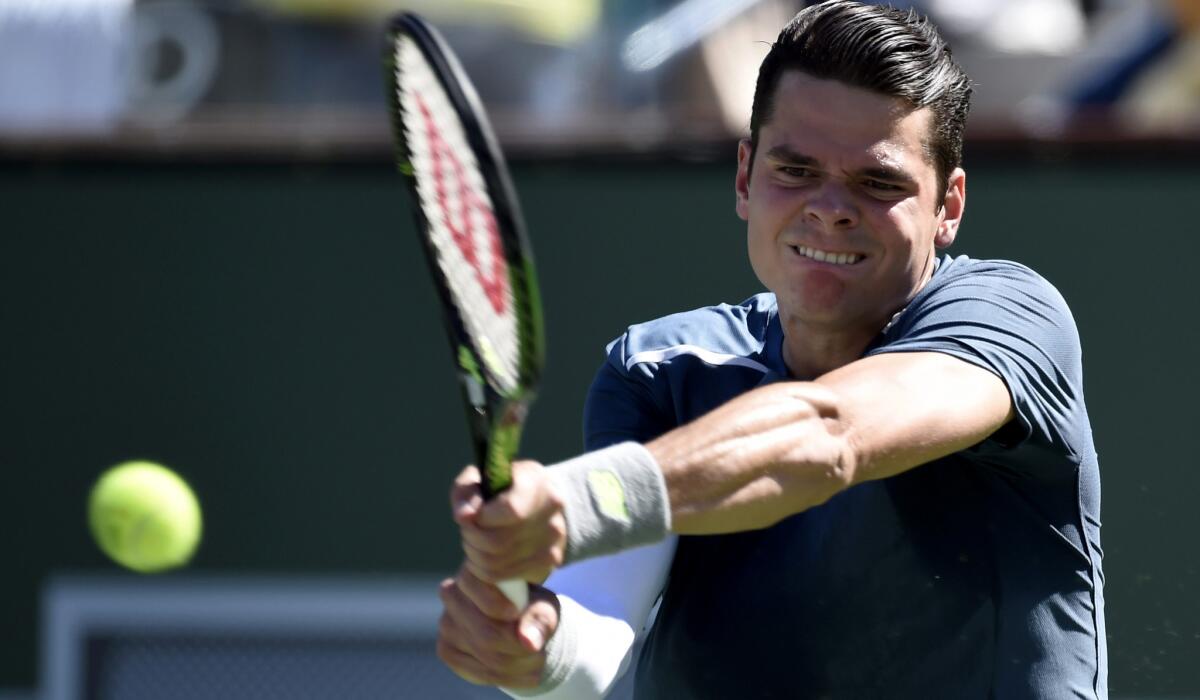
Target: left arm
(785, 447)
(768, 454)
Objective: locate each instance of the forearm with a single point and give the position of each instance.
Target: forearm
(767, 454)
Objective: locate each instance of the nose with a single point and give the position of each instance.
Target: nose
(832, 207)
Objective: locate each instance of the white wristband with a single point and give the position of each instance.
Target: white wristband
(615, 499)
(585, 656)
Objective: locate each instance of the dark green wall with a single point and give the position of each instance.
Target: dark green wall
(268, 330)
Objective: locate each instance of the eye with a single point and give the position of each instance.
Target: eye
(882, 186)
(883, 189)
(799, 172)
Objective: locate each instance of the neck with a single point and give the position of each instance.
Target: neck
(811, 350)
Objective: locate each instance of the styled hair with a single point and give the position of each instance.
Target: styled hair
(888, 51)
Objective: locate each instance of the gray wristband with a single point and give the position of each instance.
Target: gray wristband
(615, 499)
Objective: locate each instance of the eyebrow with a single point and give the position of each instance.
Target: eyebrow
(787, 154)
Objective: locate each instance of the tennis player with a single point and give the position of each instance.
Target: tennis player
(875, 481)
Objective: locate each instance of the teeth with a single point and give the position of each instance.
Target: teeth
(822, 256)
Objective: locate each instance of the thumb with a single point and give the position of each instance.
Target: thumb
(540, 620)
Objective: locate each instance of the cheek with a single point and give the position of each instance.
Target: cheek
(759, 260)
(908, 226)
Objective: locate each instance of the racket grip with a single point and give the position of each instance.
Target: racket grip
(515, 590)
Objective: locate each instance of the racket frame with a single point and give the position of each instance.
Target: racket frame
(495, 416)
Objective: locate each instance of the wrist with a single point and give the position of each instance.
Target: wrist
(613, 499)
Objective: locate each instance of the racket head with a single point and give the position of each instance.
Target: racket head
(473, 234)
(464, 195)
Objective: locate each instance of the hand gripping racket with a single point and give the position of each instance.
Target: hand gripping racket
(474, 238)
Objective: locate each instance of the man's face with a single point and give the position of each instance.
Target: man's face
(843, 206)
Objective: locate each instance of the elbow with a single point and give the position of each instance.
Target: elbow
(824, 477)
(824, 457)
(843, 473)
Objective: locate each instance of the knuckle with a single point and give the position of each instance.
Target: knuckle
(507, 507)
(557, 527)
(485, 565)
(488, 541)
(446, 590)
(553, 497)
(483, 637)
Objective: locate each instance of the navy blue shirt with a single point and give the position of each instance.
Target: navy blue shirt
(974, 576)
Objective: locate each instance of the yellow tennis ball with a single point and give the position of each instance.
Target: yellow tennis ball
(145, 517)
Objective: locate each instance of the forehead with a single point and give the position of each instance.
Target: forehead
(835, 122)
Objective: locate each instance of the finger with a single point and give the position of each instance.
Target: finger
(474, 671)
(493, 568)
(494, 553)
(489, 599)
(539, 621)
(466, 495)
(525, 499)
(486, 638)
(466, 666)
(454, 633)
(490, 541)
(510, 544)
(503, 510)
(479, 562)
(458, 649)
(530, 562)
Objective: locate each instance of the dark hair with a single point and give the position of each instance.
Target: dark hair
(895, 53)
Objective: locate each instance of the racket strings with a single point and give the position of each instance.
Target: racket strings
(461, 221)
(495, 280)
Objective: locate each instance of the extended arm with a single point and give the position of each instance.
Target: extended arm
(785, 447)
(772, 452)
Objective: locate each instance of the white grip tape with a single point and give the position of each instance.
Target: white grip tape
(515, 590)
(614, 499)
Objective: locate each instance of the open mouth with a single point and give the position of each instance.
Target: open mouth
(828, 257)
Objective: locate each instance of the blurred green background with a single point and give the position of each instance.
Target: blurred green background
(267, 328)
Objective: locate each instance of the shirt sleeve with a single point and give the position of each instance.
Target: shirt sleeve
(621, 406)
(1005, 318)
(624, 403)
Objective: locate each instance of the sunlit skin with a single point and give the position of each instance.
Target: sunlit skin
(842, 170)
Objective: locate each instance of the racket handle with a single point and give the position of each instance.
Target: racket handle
(515, 590)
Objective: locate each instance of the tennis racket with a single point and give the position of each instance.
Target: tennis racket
(474, 238)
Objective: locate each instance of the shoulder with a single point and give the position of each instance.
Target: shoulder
(716, 335)
(968, 288)
(962, 275)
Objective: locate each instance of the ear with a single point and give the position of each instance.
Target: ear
(741, 183)
(953, 204)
